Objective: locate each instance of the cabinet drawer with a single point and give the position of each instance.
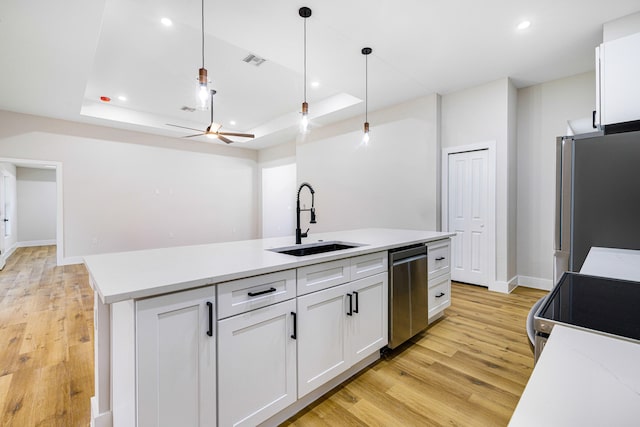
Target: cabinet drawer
(322, 276)
(239, 296)
(439, 294)
(369, 265)
(439, 254)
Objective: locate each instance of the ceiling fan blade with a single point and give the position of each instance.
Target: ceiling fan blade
(244, 135)
(223, 139)
(197, 134)
(183, 127)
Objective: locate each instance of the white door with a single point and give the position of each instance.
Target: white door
(368, 327)
(467, 213)
(322, 353)
(176, 359)
(256, 364)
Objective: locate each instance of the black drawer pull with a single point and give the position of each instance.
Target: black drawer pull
(295, 325)
(441, 258)
(356, 295)
(441, 294)
(266, 291)
(210, 331)
(350, 312)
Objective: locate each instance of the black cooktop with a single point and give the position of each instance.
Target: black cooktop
(601, 304)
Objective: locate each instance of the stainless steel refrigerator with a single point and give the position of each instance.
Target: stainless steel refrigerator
(597, 196)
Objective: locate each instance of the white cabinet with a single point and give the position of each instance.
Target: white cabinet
(176, 359)
(618, 80)
(256, 364)
(439, 255)
(338, 327)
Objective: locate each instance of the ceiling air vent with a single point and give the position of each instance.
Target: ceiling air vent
(188, 109)
(254, 60)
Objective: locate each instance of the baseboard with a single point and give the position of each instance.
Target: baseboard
(72, 260)
(535, 283)
(98, 419)
(504, 287)
(10, 251)
(32, 243)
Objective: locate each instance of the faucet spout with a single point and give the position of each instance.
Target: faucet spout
(299, 233)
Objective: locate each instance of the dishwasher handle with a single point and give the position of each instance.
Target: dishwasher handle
(407, 254)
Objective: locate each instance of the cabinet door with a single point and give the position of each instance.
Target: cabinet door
(322, 355)
(176, 359)
(256, 364)
(368, 327)
(621, 88)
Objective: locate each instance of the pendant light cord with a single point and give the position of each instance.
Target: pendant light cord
(305, 59)
(202, 33)
(366, 88)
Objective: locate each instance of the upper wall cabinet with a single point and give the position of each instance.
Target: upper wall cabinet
(618, 85)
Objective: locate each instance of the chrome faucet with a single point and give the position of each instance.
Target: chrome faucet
(299, 233)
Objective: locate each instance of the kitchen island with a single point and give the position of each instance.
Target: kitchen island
(235, 333)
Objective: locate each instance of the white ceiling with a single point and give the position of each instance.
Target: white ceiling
(58, 58)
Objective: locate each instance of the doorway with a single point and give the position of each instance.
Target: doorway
(468, 210)
(51, 165)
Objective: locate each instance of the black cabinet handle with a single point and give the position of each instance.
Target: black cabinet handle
(350, 312)
(356, 295)
(210, 331)
(440, 258)
(295, 325)
(441, 294)
(266, 291)
(593, 120)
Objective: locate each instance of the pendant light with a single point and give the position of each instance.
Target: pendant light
(366, 51)
(203, 80)
(305, 12)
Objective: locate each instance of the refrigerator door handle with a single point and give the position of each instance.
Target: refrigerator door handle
(557, 242)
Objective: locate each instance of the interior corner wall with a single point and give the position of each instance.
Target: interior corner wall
(389, 182)
(512, 185)
(543, 112)
(120, 196)
(36, 200)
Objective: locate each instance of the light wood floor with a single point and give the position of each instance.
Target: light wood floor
(468, 369)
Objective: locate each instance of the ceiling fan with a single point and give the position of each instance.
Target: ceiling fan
(213, 130)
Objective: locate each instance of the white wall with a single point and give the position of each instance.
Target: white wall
(480, 114)
(391, 182)
(277, 173)
(125, 191)
(36, 198)
(543, 111)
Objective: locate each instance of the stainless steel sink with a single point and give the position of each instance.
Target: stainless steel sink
(315, 248)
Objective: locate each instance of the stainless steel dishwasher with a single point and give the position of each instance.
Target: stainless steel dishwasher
(408, 293)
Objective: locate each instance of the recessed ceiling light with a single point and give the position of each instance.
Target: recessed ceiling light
(232, 122)
(315, 84)
(122, 98)
(524, 25)
(166, 22)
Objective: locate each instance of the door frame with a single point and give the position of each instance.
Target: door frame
(29, 163)
(490, 146)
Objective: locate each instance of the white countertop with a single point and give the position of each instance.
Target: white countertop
(139, 274)
(621, 264)
(582, 379)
